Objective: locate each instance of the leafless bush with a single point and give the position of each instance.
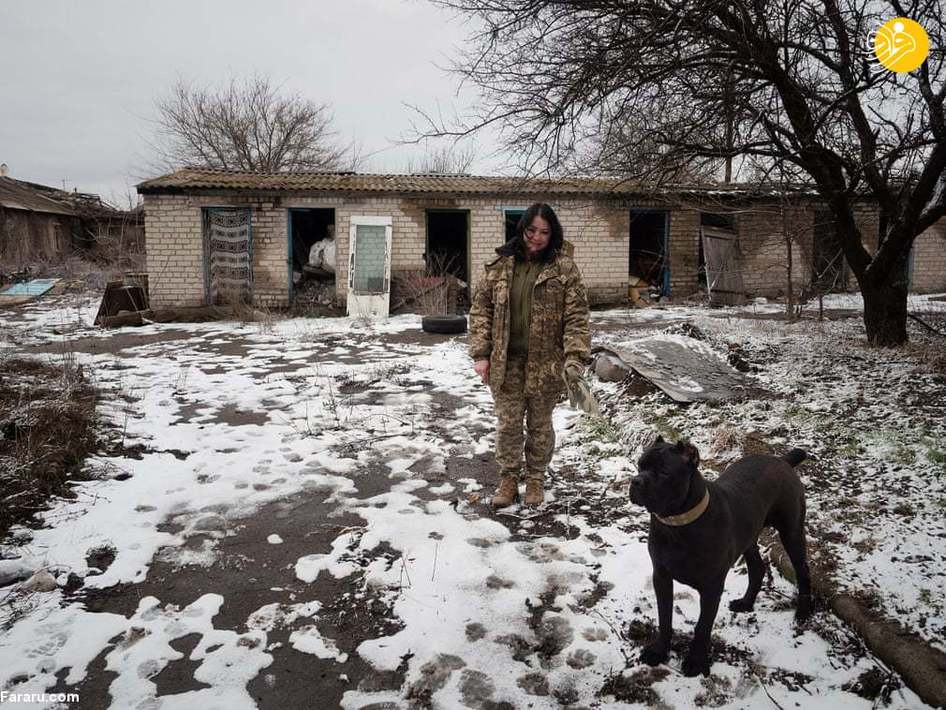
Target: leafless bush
(430, 291)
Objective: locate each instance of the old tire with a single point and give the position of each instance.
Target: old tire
(446, 325)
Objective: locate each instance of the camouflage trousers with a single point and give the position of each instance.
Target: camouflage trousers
(512, 404)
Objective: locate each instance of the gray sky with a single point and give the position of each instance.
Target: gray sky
(80, 76)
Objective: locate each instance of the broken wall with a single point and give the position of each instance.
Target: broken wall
(598, 228)
(29, 237)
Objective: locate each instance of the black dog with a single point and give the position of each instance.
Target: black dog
(698, 529)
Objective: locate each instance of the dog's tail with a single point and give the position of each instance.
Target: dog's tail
(795, 457)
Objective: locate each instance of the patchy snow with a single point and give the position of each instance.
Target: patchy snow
(545, 608)
(876, 487)
(309, 640)
(272, 616)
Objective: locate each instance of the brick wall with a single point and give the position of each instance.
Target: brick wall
(174, 251)
(598, 229)
(929, 260)
(174, 243)
(684, 251)
(765, 248)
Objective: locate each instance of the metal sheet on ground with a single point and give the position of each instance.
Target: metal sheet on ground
(36, 287)
(686, 369)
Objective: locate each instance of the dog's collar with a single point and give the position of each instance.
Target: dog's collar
(687, 517)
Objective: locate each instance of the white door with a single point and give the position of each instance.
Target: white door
(369, 267)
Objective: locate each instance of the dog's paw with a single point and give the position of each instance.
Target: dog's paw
(804, 609)
(654, 654)
(696, 663)
(741, 605)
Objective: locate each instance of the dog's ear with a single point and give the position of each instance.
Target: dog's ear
(689, 452)
(659, 440)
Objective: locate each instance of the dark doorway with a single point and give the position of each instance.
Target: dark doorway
(648, 248)
(447, 239)
(307, 227)
(512, 221)
(311, 283)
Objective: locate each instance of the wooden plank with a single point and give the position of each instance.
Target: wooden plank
(724, 283)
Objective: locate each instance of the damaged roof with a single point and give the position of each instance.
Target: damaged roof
(17, 195)
(200, 179)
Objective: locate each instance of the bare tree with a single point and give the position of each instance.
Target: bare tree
(444, 160)
(249, 125)
(683, 85)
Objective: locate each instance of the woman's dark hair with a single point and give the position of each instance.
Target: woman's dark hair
(539, 209)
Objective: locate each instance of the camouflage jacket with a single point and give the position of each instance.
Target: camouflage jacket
(558, 329)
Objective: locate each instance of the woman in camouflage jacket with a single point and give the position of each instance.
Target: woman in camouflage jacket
(528, 325)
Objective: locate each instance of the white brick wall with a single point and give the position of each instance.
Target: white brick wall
(929, 260)
(175, 251)
(599, 230)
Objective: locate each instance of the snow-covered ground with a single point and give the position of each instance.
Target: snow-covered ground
(389, 428)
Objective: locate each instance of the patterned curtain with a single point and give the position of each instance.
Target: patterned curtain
(230, 265)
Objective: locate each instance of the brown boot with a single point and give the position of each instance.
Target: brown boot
(534, 494)
(507, 493)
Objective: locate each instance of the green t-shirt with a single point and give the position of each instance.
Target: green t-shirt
(520, 304)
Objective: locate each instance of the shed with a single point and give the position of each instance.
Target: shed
(215, 234)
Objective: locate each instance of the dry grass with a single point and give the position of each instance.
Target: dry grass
(931, 354)
(78, 274)
(46, 431)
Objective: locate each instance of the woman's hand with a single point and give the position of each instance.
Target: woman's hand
(481, 367)
(573, 369)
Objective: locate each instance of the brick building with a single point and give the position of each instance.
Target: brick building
(618, 230)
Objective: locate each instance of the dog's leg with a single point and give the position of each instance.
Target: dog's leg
(756, 569)
(698, 657)
(658, 650)
(793, 540)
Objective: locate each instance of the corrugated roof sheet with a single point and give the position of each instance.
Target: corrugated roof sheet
(197, 179)
(16, 195)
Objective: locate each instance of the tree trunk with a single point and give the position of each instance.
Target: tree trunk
(885, 309)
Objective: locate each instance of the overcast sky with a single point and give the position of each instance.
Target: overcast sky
(80, 76)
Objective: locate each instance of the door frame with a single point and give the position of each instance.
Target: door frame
(376, 304)
(289, 237)
(469, 229)
(205, 211)
(664, 243)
